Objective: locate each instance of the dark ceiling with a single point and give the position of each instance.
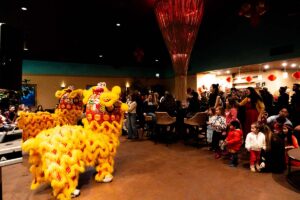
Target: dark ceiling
(80, 31)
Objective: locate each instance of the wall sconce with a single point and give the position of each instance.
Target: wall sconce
(127, 85)
(62, 85)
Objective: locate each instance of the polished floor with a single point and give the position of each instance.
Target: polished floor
(145, 170)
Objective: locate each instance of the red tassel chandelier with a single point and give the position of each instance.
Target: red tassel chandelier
(179, 21)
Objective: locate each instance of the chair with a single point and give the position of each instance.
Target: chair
(197, 127)
(164, 124)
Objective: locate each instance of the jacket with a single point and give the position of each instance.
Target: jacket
(234, 140)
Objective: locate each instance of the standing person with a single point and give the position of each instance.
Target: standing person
(265, 155)
(295, 104)
(291, 142)
(214, 99)
(254, 108)
(278, 164)
(218, 124)
(194, 105)
(231, 110)
(283, 99)
(255, 142)
(209, 131)
(268, 100)
(131, 120)
(234, 141)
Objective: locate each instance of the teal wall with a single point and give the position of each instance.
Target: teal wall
(35, 67)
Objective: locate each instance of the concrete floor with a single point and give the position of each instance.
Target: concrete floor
(145, 170)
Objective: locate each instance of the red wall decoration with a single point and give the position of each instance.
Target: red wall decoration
(248, 79)
(272, 77)
(228, 79)
(296, 75)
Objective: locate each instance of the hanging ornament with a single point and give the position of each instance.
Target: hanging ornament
(139, 55)
(253, 9)
(296, 75)
(228, 79)
(272, 77)
(248, 79)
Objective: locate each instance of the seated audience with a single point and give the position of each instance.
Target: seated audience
(283, 113)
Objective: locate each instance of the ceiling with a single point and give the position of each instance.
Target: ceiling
(80, 31)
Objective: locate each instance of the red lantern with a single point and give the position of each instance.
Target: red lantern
(139, 55)
(272, 77)
(296, 75)
(248, 79)
(253, 9)
(228, 79)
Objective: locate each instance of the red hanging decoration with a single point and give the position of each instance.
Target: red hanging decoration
(139, 55)
(296, 75)
(272, 77)
(228, 79)
(253, 9)
(248, 79)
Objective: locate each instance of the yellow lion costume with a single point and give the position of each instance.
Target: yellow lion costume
(59, 154)
(69, 111)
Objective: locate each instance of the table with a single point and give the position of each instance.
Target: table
(10, 151)
(293, 177)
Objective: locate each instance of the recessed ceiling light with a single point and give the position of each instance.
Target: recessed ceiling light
(293, 65)
(284, 64)
(157, 75)
(24, 8)
(228, 72)
(100, 56)
(266, 66)
(25, 49)
(156, 60)
(118, 24)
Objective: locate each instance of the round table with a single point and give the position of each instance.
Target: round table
(293, 177)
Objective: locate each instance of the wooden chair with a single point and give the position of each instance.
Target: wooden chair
(197, 127)
(165, 126)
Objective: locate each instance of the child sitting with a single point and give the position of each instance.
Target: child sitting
(255, 141)
(234, 141)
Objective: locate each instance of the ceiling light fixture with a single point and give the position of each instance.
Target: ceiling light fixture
(100, 56)
(266, 67)
(24, 8)
(157, 75)
(293, 65)
(284, 64)
(228, 72)
(156, 60)
(118, 24)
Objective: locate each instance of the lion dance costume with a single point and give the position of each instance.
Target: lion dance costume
(69, 111)
(60, 154)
